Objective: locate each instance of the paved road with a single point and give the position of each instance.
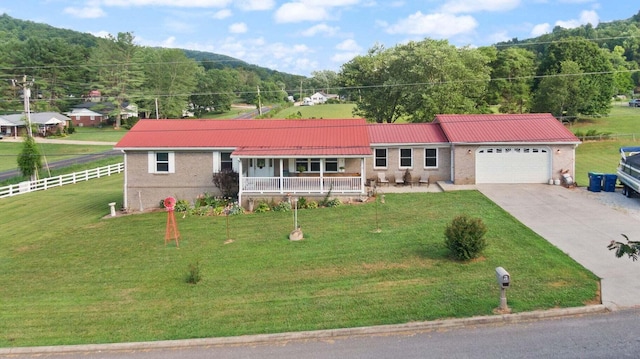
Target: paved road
(64, 163)
(582, 227)
(605, 335)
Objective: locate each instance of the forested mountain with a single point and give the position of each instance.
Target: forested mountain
(66, 65)
(568, 72)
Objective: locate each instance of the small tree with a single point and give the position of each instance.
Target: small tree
(29, 159)
(631, 248)
(227, 183)
(464, 237)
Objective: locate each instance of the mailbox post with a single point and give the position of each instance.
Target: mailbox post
(504, 279)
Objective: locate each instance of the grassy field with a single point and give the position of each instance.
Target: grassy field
(107, 134)
(320, 111)
(71, 277)
(52, 151)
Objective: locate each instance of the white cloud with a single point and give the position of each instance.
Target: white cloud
(499, 37)
(255, 5)
(469, 6)
(309, 10)
(541, 29)
(222, 14)
(179, 26)
(103, 34)
(88, 12)
(168, 3)
(343, 57)
(298, 12)
(586, 17)
(238, 28)
(440, 25)
(320, 29)
(349, 45)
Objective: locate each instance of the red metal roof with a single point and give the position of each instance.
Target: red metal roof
(538, 127)
(345, 137)
(406, 133)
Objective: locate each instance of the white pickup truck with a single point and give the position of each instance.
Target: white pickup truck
(629, 170)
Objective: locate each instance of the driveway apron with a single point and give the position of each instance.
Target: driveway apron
(581, 227)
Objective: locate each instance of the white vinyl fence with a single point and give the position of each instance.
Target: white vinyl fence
(71, 178)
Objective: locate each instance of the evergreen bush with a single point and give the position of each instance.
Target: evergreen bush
(464, 237)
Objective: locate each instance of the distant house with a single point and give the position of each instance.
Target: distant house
(83, 117)
(46, 122)
(321, 97)
(276, 158)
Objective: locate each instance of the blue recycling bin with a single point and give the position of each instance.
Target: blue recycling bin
(609, 182)
(595, 181)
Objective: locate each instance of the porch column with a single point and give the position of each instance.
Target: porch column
(281, 176)
(363, 175)
(322, 175)
(241, 180)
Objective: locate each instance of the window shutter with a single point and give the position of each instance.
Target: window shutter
(151, 162)
(172, 162)
(216, 162)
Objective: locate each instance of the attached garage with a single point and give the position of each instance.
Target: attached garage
(506, 164)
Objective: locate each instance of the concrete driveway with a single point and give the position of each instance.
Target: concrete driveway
(581, 225)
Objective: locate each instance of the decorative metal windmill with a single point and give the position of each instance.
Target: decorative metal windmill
(172, 228)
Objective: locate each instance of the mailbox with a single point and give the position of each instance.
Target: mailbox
(503, 277)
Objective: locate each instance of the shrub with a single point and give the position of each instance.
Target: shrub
(262, 207)
(334, 203)
(464, 237)
(302, 202)
(312, 204)
(227, 182)
(193, 274)
(182, 205)
(283, 206)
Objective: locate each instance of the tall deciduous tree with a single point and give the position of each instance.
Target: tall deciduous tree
(560, 94)
(119, 73)
(214, 91)
(170, 77)
(512, 78)
(596, 81)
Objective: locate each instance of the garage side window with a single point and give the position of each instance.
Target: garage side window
(406, 158)
(430, 158)
(380, 158)
(161, 162)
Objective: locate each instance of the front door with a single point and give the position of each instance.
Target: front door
(261, 167)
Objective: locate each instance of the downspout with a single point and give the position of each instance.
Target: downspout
(453, 163)
(125, 198)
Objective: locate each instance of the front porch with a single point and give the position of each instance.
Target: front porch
(295, 185)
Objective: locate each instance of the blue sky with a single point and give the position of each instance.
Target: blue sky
(301, 36)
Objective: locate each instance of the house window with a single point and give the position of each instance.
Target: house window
(308, 165)
(161, 162)
(380, 158)
(331, 165)
(430, 157)
(406, 158)
(226, 163)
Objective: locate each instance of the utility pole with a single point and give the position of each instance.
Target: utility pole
(26, 94)
(259, 102)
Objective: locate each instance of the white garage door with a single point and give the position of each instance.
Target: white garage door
(513, 165)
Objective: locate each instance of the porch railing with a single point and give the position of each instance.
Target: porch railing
(301, 184)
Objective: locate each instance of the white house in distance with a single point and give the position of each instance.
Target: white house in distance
(277, 157)
(321, 97)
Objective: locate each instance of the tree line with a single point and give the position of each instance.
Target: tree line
(569, 73)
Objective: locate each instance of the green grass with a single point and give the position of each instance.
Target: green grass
(106, 134)
(52, 151)
(320, 111)
(71, 277)
(603, 156)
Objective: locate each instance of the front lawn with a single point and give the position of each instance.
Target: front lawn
(71, 277)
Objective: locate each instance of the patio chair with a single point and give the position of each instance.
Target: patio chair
(399, 177)
(424, 178)
(382, 178)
